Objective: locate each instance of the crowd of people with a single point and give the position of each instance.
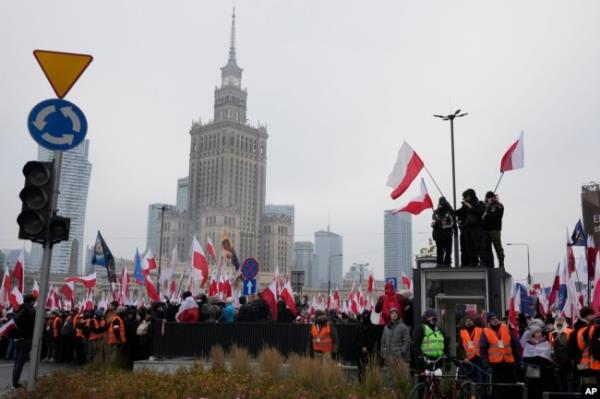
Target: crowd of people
(479, 224)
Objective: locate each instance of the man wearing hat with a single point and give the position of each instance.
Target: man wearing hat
(395, 340)
(500, 353)
(324, 339)
(429, 342)
(492, 226)
(470, 336)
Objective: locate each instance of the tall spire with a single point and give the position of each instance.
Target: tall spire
(232, 40)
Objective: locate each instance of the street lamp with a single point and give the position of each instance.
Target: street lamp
(160, 246)
(451, 118)
(329, 280)
(528, 265)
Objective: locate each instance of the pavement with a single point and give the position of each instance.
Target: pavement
(6, 368)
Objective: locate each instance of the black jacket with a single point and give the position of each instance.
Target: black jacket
(25, 319)
(471, 217)
(443, 224)
(492, 217)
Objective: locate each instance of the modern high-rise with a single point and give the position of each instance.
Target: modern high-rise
(67, 256)
(329, 260)
(182, 194)
(276, 243)
(228, 160)
(304, 259)
(397, 236)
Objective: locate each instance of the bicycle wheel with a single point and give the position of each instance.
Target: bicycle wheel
(425, 390)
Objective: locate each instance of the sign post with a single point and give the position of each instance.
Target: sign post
(57, 125)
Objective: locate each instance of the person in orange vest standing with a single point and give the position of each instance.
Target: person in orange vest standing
(470, 337)
(96, 329)
(323, 337)
(116, 336)
(79, 323)
(588, 342)
(57, 323)
(500, 352)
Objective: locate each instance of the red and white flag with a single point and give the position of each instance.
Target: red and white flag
(15, 298)
(553, 297)
(88, 281)
(198, 263)
(188, 312)
(5, 289)
(8, 327)
(213, 286)
(124, 287)
(68, 290)
(166, 274)
(35, 290)
(151, 289)
(149, 262)
(407, 282)
(596, 291)
(418, 204)
(514, 308)
(210, 249)
(514, 157)
(89, 300)
(288, 297)
(407, 167)
(269, 295)
(19, 271)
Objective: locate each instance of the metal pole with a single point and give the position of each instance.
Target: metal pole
(329, 279)
(456, 263)
(40, 312)
(528, 267)
(162, 224)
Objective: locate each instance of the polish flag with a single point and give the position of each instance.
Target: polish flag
(35, 290)
(353, 300)
(88, 281)
(288, 296)
(68, 290)
(89, 300)
(19, 271)
(51, 299)
(514, 158)
(188, 312)
(553, 297)
(124, 287)
(407, 167)
(149, 262)
(199, 265)
(227, 290)
(166, 274)
(407, 282)
(596, 291)
(8, 327)
(590, 254)
(5, 289)
(514, 308)
(210, 249)
(269, 295)
(15, 298)
(151, 289)
(417, 204)
(336, 299)
(572, 304)
(571, 265)
(213, 286)
(370, 284)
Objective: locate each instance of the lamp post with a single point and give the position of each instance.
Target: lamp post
(160, 246)
(528, 265)
(329, 279)
(451, 118)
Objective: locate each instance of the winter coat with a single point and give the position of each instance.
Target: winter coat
(471, 217)
(228, 313)
(443, 224)
(492, 217)
(533, 349)
(395, 342)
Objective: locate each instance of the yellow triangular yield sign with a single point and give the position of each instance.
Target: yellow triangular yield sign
(62, 69)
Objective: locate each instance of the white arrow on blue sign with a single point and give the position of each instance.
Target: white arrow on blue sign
(57, 125)
(250, 287)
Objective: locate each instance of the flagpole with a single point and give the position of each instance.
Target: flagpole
(499, 180)
(433, 180)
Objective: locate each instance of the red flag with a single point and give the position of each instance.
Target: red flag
(199, 264)
(570, 261)
(210, 249)
(213, 287)
(19, 271)
(407, 167)
(88, 281)
(555, 288)
(5, 289)
(370, 284)
(288, 296)
(15, 298)
(407, 282)
(151, 289)
(590, 254)
(596, 292)
(418, 204)
(514, 158)
(149, 262)
(269, 295)
(68, 290)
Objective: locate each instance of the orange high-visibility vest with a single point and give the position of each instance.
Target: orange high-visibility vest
(499, 350)
(119, 336)
(322, 341)
(93, 323)
(588, 361)
(471, 342)
(56, 326)
(553, 336)
(78, 330)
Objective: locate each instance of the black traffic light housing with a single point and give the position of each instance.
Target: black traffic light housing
(37, 221)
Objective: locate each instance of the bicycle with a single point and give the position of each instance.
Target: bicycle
(460, 388)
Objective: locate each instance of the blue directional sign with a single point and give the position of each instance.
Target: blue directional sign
(57, 124)
(250, 287)
(249, 268)
(394, 282)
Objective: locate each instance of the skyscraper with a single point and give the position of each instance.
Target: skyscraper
(397, 235)
(227, 171)
(67, 256)
(329, 260)
(304, 259)
(182, 194)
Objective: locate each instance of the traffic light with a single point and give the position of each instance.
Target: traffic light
(37, 222)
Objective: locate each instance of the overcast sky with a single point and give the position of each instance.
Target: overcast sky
(340, 85)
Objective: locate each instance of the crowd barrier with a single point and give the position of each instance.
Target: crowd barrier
(196, 340)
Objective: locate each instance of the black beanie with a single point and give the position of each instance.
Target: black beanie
(586, 311)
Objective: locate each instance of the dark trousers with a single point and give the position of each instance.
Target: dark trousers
(504, 373)
(23, 347)
(79, 351)
(472, 246)
(444, 251)
(66, 348)
(491, 238)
